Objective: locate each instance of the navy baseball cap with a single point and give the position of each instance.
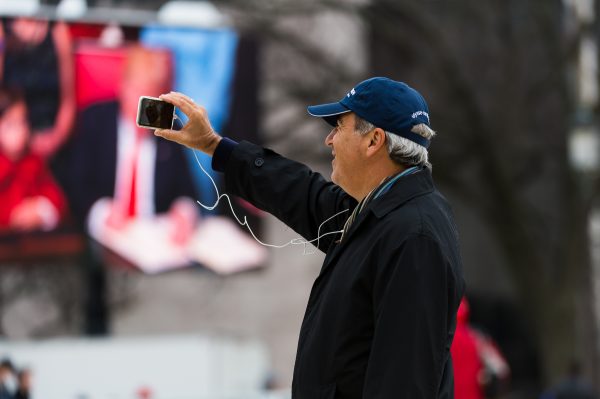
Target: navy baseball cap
(393, 106)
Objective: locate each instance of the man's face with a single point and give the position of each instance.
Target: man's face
(345, 145)
(136, 86)
(147, 73)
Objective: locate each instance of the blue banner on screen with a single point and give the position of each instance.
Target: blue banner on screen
(204, 67)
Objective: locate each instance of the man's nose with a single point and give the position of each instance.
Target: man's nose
(329, 138)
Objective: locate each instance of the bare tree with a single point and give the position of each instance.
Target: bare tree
(496, 73)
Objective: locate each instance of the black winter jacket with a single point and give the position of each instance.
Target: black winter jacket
(382, 312)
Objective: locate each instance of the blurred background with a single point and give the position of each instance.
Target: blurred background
(114, 283)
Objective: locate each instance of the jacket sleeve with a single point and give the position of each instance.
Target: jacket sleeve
(289, 190)
(410, 355)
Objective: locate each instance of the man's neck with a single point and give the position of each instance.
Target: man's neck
(376, 176)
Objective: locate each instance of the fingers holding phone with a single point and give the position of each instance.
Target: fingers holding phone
(197, 132)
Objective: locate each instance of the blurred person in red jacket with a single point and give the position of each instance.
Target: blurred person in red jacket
(479, 367)
(30, 198)
(465, 357)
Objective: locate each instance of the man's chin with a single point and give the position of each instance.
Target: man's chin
(335, 179)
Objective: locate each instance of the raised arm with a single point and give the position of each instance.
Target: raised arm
(289, 190)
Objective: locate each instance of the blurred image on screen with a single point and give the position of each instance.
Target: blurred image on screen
(30, 198)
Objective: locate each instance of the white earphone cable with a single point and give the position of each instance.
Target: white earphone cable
(295, 241)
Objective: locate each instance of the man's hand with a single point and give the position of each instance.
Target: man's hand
(197, 132)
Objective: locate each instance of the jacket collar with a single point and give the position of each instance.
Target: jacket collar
(405, 189)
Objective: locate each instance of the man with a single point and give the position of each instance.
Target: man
(121, 173)
(381, 314)
(114, 158)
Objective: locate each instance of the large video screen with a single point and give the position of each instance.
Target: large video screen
(75, 166)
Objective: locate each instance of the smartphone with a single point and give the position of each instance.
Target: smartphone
(155, 113)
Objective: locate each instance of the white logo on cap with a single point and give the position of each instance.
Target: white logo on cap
(418, 113)
(352, 92)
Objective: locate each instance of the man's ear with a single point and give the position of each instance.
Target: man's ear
(377, 140)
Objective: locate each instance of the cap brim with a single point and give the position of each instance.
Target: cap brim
(329, 112)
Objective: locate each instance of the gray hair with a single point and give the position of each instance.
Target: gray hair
(402, 151)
